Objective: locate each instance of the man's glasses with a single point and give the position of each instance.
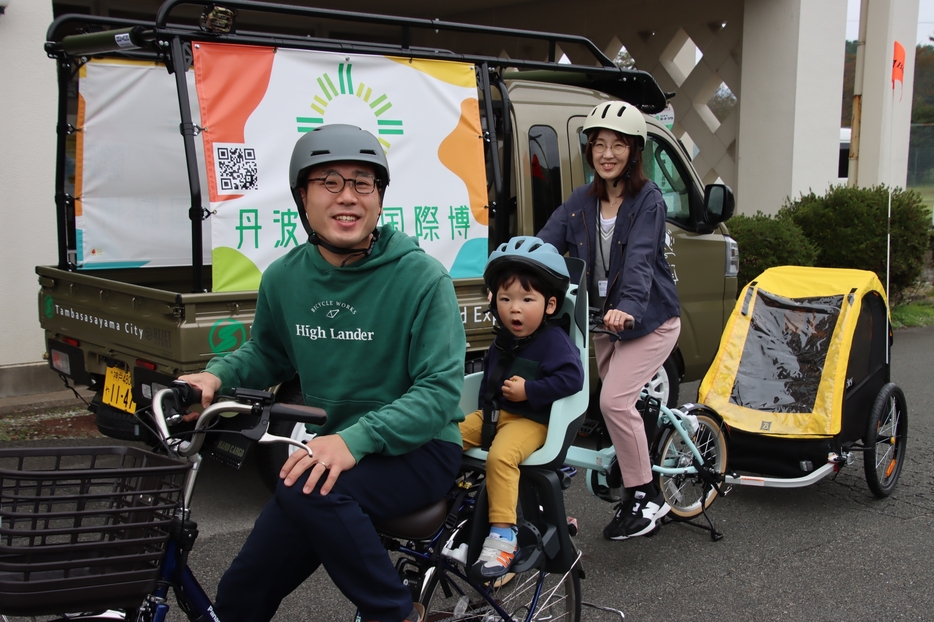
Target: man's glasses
(335, 182)
(616, 148)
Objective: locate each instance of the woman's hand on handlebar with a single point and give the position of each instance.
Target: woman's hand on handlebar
(618, 321)
(207, 383)
(329, 454)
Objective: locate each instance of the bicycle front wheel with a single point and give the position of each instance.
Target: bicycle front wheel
(448, 597)
(687, 495)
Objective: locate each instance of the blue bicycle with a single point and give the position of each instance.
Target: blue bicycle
(688, 449)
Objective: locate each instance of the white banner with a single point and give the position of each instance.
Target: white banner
(256, 102)
(131, 181)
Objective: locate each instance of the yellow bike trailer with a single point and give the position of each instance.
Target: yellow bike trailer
(803, 380)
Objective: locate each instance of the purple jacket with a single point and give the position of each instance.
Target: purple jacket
(640, 281)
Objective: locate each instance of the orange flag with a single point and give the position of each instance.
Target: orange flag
(898, 65)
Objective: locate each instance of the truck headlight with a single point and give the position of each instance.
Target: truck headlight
(732, 257)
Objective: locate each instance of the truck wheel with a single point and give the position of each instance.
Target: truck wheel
(665, 384)
(270, 458)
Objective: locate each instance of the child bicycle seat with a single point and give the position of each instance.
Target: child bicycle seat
(568, 413)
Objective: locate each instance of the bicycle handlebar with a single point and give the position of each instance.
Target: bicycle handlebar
(596, 323)
(245, 401)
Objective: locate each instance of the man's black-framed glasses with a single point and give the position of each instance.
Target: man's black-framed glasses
(334, 182)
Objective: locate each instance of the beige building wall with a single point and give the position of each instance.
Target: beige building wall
(27, 166)
(789, 118)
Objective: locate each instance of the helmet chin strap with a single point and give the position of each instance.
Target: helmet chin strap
(626, 174)
(317, 240)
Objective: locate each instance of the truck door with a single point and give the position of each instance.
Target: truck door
(698, 261)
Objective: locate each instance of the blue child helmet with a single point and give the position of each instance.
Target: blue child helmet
(532, 253)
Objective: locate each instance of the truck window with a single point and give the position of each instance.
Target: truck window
(588, 171)
(546, 174)
(661, 166)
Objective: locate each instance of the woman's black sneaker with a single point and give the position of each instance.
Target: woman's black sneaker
(636, 516)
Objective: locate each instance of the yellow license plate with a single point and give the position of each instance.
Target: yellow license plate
(118, 390)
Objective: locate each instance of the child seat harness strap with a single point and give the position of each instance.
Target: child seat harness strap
(490, 403)
(508, 354)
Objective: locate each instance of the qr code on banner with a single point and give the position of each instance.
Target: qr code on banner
(236, 168)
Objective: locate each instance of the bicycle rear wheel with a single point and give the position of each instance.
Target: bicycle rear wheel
(687, 495)
(448, 597)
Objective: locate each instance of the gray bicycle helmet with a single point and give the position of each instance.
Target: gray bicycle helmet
(530, 252)
(337, 142)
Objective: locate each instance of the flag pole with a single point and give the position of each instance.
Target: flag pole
(898, 75)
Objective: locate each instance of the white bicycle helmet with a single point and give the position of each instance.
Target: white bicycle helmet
(618, 116)
(530, 252)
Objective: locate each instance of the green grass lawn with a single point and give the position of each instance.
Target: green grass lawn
(915, 313)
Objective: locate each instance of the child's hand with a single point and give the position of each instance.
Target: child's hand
(514, 389)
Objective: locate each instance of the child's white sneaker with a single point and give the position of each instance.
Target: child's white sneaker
(497, 555)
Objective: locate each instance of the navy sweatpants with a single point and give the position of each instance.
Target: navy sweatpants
(295, 533)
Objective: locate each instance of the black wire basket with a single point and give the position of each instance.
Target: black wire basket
(83, 528)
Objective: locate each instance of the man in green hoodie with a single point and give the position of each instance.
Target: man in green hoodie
(372, 326)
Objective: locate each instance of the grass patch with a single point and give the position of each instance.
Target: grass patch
(915, 313)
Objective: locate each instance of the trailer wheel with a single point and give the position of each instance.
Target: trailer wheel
(886, 440)
(270, 458)
(686, 494)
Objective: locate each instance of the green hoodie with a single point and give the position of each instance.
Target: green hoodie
(378, 344)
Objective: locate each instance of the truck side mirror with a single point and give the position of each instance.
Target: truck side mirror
(718, 203)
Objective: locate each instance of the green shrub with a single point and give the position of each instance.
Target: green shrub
(848, 228)
(765, 242)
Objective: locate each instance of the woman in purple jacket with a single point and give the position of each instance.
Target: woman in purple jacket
(617, 225)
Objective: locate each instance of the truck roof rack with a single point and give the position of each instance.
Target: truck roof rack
(218, 24)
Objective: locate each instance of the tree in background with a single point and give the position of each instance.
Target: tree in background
(722, 103)
(624, 59)
(849, 73)
(921, 141)
(922, 102)
(922, 105)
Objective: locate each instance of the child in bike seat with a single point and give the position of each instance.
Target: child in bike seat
(532, 363)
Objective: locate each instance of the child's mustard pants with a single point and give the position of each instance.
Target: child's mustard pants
(516, 439)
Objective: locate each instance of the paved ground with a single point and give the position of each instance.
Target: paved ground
(826, 552)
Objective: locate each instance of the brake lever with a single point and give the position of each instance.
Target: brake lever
(268, 438)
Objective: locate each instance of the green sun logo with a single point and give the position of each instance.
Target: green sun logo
(330, 92)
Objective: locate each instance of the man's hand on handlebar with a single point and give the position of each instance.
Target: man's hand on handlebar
(207, 383)
(329, 455)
